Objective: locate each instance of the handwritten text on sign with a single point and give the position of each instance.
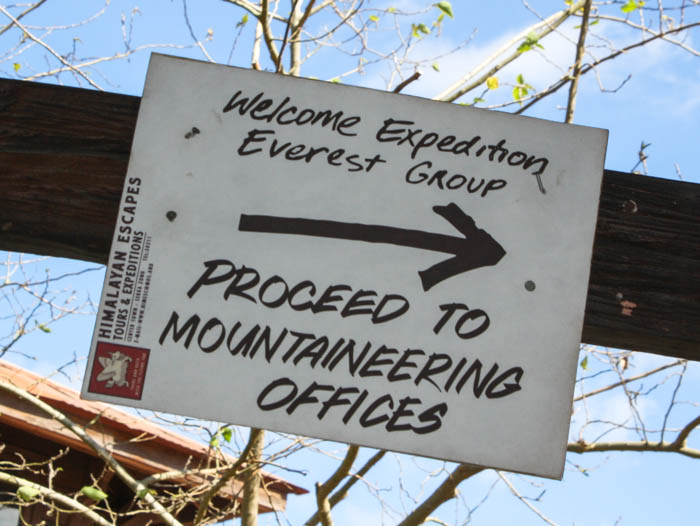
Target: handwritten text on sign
(350, 264)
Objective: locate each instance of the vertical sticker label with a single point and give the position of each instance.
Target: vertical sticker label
(118, 370)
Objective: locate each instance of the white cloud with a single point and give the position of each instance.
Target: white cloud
(539, 67)
(654, 83)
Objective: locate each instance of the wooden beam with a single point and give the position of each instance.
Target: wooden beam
(64, 153)
(644, 289)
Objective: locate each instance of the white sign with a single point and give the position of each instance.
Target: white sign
(350, 264)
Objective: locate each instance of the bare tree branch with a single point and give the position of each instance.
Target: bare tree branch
(628, 380)
(343, 491)
(55, 496)
(661, 33)
(251, 483)
(50, 49)
(264, 19)
(662, 447)
(233, 471)
(576, 73)
(323, 490)
(323, 506)
(255, 57)
(137, 487)
(402, 85)
(682, 437)
(22, 15)
(293, 15)
(299, 21)
(446, 491)
(589, 67)
(550, 24)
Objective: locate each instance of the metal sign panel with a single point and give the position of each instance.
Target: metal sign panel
(350, 264)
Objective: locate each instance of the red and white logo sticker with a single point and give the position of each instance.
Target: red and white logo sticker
(118, 370)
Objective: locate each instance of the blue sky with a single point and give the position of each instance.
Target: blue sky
(659, 104)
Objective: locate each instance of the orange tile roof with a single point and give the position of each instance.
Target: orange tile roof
(68, 401)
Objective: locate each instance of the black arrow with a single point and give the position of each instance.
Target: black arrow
(476, 249)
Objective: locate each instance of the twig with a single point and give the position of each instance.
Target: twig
(99, 60)
(524, 500)
(402, 85)
(673, 401)
(678, 171)
(197, 42)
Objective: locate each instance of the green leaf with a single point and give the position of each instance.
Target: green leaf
(492, 83)
(392, 9)
(142, 493)
(584, 363)
(531, 41)
(521, 89)
(43, 328)
(214, 442)
(445, 7)
(227, 433)
(436, 66)
(374, 18)
(335, 80)
(417, 29)
(16, 66)
(517, 93)
(243, 21)
(589, 25)
(478, 100)
(27, 493)
(631, 5)
(93, 493)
